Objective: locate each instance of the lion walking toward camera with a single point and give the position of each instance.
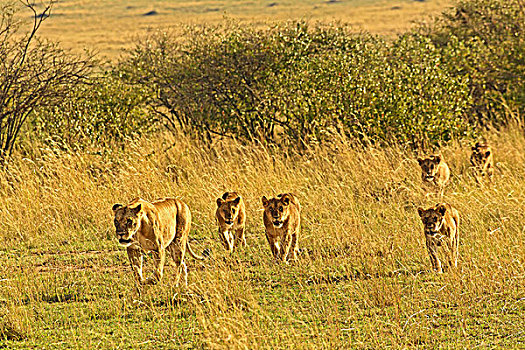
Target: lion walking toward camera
(441, 230)
(231, 219)
(156, 227)
(482, 161)
(434, 172)
(282, 220)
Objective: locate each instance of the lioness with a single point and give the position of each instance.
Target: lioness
(231, 218)
(441, 226)
(282, 220)
(155, 227)
(434, 171)
(482, 160)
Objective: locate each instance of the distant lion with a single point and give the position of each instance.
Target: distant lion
(155, 227)
(434, 171)
(441, 229)
(231, 218)
(482, 160)
(282, 220)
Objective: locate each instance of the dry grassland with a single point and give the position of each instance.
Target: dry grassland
(110, 26)
(363, 280)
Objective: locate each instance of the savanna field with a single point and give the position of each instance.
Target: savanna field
(339, 120)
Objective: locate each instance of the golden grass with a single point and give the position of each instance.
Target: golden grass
(109, 26)
(364, 280)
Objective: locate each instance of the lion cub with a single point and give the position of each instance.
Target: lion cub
(231, 218)
(282, 220)
(434, 171)
(441, 228)
(155, 227)
(482, 160)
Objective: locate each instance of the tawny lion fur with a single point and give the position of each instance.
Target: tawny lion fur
(434, 171)
(482, 160)
(441, 229)
(155, 227)
(231, 219)
(282, 220)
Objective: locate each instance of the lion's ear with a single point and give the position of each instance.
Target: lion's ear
(437, 158)
(420, 161)
(225, 195)
(265, 201)
(441, 209)
(117, 206)
(420, 211)
(285, 199)
(136, 210)
(219, 202)
(237, 200)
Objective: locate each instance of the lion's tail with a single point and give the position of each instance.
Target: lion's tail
(192, 253)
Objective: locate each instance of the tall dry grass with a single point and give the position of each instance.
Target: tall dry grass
(363, 280)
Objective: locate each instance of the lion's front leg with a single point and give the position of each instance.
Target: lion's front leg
(454, 250)
(227, 240)
(294, 248)
(274, 245)
(240, 238)
(432, 252)
(136, 259)
(160, 259)
(285, 250)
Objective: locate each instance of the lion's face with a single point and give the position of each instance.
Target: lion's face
(429, 167)
(480, 154)
(127, 223)
(432, 218)
(228, 210)
(277, 209)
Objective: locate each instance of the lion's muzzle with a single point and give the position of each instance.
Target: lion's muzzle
(125, 242)
(431, 232)
(277, 223)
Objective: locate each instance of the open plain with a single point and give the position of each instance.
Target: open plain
(363, 279)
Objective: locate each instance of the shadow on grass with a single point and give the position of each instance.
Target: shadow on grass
(361, 276)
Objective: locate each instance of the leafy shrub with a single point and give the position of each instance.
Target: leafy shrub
(104, 111)
(296, 85)
(482, 40)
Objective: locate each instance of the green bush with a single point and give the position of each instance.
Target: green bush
(102, 112)
(482, 40)
(374, 92)
(298, 85)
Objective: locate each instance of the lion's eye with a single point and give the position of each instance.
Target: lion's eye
(129, 221)
(280, 208)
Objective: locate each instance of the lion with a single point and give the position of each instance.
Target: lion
(441, 228)
(231, 218)
(482, 160)
(434, 171)
(155, 227)
(282, 220)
